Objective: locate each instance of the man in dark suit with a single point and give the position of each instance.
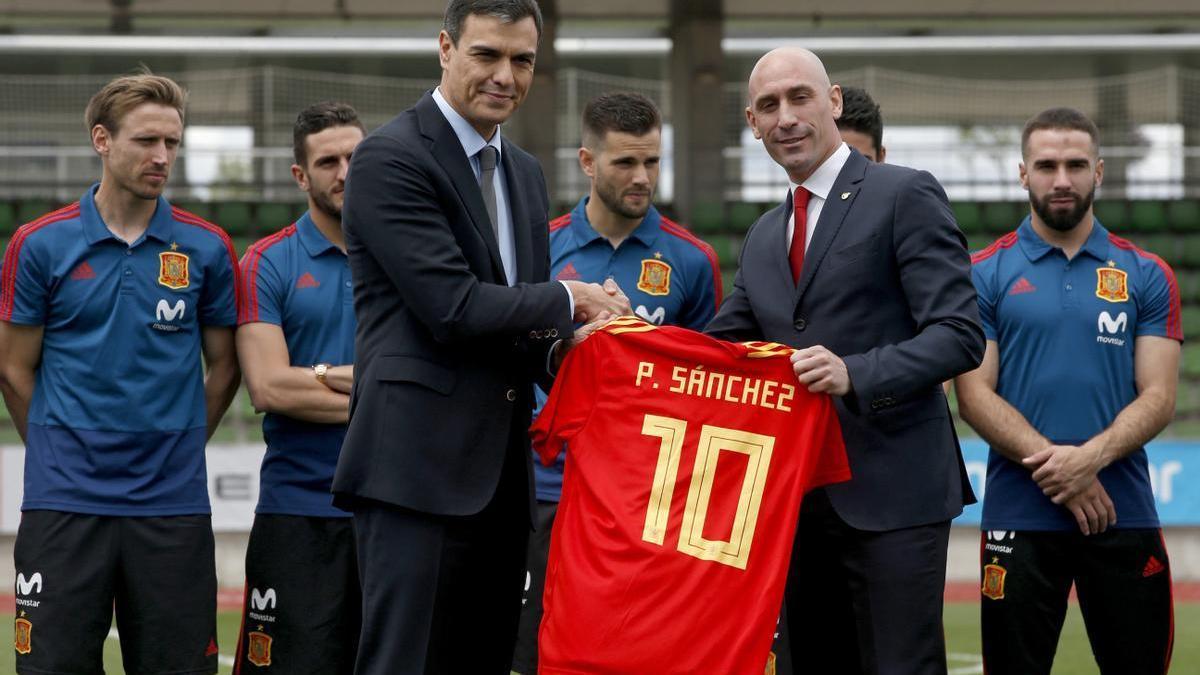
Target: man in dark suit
(446, 232)
(864, 271)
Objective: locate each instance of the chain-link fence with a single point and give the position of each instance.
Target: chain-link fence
(965, 131)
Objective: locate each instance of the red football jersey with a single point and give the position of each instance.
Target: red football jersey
(687, 461)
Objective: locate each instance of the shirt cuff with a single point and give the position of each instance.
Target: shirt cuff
(570, 298)
(550, 369)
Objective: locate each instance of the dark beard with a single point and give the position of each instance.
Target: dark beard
(1062, 221)
(325, 205)
(614, 203)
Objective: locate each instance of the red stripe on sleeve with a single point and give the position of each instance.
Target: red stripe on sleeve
(1007, 241)
(1174, 308)
(248, 308)
(677, 230)
(192, 219)
(12, 257)
(560, 222)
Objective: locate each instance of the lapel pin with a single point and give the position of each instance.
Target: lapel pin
(845, 196)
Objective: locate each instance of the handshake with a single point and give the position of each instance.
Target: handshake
(598, 303)
(595, 305)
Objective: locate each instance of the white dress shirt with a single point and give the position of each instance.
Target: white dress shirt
(472, 143)
(818, 184)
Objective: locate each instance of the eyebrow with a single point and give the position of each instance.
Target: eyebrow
(791, 91)
(489, 50)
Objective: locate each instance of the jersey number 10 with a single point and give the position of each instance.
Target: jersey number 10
(735, 551)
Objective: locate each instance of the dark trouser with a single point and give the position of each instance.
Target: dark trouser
(1122, 578)
(158, 573)
(302, 607)
(866, 602)
(442, 594)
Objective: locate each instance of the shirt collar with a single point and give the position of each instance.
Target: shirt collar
(820, 183)
(1036, 248)
(472, 141)
(646, 232)
(161, 225)
(311, 238)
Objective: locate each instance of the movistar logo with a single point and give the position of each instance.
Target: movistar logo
(1105, 323)
(165, 312)
(262, 601)
(31, 585)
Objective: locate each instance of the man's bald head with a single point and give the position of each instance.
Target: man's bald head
(789, 59)
(793, 109)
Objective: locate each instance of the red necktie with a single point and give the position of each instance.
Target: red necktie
(799, 233)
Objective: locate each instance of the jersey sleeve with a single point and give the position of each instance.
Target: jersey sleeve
(987, 301)
(24, 291)
(219, 298)
(704, 296)
(569, 405)
(832, 465)
(1158, 303)
(264, 289)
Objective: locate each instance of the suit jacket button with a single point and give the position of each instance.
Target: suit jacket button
(511, 394)
(800, 324)
(553, 332)
(533, 335)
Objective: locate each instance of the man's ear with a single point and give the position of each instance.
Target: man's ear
(587, 162)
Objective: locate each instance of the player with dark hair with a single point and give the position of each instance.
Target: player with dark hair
(446, 233)
(670, 276)
(1080, 371)
(106, 306)
(295, 339)
(861, 124)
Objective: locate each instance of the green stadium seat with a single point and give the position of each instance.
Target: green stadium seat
(32, 210)
(1148, 216)
(1187, 400)
(1166, 246)
(978, 242)
(708, 217)
(1002, 216)
(271, 217)
(240, 244)
(743, 214)
(235, 218)
(1189, 286)
(1112, 214)
(202, 209)
(1191, 251)
(1191, 320)
(727, 247)
(727, 276)
(1184, 215)
(1191, 360)
(8, 219)
(968, 217)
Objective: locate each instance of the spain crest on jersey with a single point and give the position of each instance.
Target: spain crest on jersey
(23, 632)
(1112, 284)
(993, 581)
(259, 651)
(655, 278)
(173, 270)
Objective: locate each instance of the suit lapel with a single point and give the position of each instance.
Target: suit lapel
(833, 213)
(522, 237)
(449, 153)
(778, 234)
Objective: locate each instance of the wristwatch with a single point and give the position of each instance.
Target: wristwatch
(320, 369)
